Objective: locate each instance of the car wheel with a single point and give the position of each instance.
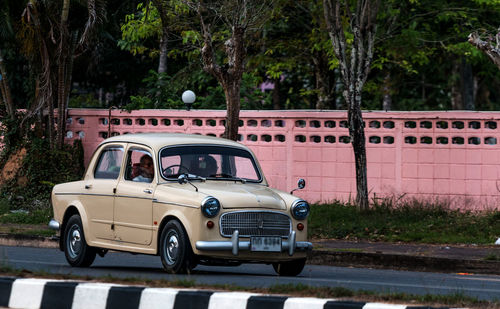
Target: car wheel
(175, 250)
(76, 250)
(290, 268)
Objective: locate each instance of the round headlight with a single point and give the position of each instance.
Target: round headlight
(300, 209)
(210, 207)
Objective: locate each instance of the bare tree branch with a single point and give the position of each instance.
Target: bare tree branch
(487, 47)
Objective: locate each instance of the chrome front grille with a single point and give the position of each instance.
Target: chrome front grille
(255, 223)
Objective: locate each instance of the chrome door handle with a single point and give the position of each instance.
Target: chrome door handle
(149, 191)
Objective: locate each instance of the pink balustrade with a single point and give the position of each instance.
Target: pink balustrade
(445, 155)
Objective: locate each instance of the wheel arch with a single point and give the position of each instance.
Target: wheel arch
(164, 222)
(70, 211)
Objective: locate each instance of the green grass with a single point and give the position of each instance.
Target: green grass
(37, 216)
(388, 220)
(492, 257)
(410, 221)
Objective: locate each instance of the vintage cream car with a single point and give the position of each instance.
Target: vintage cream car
(190, 199)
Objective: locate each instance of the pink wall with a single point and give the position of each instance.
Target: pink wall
(448, 155)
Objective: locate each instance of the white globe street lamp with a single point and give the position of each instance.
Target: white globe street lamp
(188, 97)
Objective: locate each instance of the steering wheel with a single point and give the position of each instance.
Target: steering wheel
(168, 171)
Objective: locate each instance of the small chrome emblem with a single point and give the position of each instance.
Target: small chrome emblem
(260, 224)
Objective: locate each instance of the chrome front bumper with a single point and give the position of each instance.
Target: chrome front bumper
(54, 225)
(235, 245)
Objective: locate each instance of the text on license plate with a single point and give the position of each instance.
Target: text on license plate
(263, 243)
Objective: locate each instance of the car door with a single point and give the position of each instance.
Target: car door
(133, 211)
(99, 190)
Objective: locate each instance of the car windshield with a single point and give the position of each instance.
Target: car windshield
(211, 162)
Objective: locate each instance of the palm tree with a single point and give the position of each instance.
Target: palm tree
(6, 34)
(51, 43)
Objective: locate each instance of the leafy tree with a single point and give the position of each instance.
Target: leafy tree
(158, 20)
(421, 60)
(487, 41)
(50, 40)
(225, 26)
(7, 34)
(294, 52)
(352, 31)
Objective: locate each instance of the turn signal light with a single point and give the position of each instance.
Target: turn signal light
(210, 224)
(300, 226)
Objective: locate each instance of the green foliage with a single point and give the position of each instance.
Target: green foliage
(419, 44)
(165, 91)
(11, 133)
(84, 101)
(142, 30)
(139, 27)
(4, 206)
(409, 221)
(42, 168)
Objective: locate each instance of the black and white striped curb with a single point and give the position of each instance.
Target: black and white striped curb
(59, 294)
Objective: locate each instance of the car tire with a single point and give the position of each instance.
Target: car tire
(175, 249)
(290, 268)
(76, 250)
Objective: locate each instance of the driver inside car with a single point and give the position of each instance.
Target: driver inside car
(146, 169)
(205, 166)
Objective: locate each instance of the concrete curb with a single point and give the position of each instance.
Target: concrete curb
(404, 262)
(28, 241)
(60, 294)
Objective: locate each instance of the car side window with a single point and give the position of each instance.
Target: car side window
(109, 163)
(140, 166)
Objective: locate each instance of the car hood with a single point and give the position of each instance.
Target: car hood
(238, 195)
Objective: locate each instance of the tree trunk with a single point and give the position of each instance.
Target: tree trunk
(5, 90)
(62, 74)
(229, 75)
(320, 85)
(467, 85)
(162, 9)
(357, 132)
(162, 65)
(232, 93)
(50, 124)
(325, 82)
(456, 93)
(387, 91)
(61, 111)
(276, 94)
(354, 58)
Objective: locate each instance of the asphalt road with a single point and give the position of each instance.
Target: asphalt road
(123, 265)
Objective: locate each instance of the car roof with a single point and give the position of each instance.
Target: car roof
(160, 140)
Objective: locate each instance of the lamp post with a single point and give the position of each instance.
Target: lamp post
(109, 120)
(188, 97)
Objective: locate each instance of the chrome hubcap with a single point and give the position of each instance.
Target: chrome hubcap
(74, 241)
(172, 247)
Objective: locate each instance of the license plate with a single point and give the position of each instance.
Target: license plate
(266, 244)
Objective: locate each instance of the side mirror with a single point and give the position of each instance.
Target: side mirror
(184, 178)
(301, 184)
